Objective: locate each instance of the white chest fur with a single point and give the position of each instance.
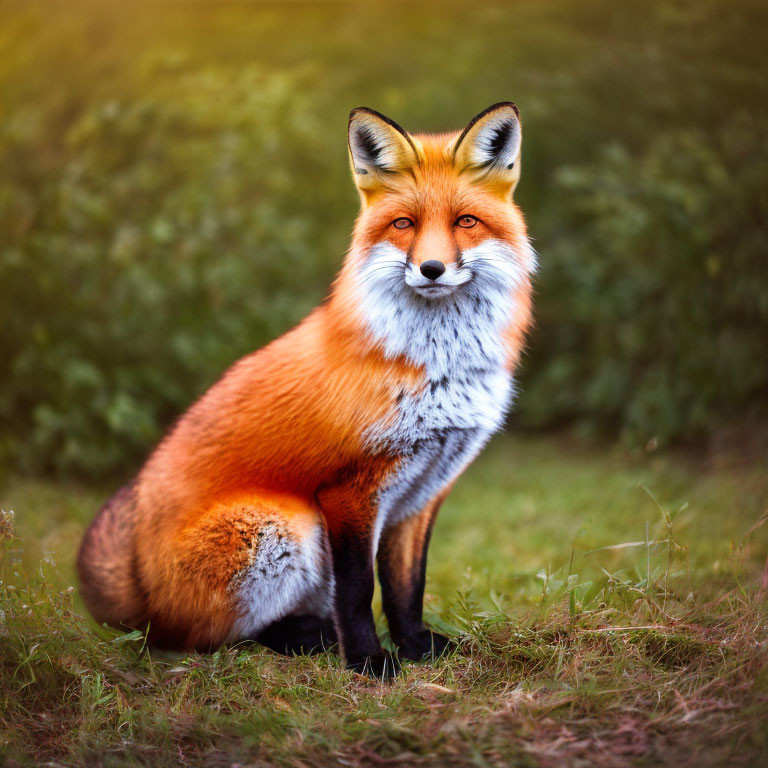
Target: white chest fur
(459, 341)
(423, 472)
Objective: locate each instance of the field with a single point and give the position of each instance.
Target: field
(609, 610)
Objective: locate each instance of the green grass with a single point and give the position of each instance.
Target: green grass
(609, 611)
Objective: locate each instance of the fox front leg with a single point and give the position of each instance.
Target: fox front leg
(402, 561)
(350, 534)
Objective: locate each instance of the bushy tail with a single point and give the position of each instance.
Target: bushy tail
(106, 565)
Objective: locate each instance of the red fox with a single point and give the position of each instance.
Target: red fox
(261, 513)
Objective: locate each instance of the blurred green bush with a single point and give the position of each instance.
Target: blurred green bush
(174, 192)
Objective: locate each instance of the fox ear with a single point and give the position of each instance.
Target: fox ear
(378, 148)
(490, 147)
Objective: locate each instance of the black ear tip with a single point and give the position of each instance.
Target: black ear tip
(503, 105)
(358, 111)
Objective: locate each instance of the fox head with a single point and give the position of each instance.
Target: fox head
(439, 270)
(436, 210)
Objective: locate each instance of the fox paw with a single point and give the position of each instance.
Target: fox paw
(383, 667)
(424, 645)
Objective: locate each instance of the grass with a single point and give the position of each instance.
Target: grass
(609, 611)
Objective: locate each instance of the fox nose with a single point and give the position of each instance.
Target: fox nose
(432, 269)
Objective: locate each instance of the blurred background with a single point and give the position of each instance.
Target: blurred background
(174, 192)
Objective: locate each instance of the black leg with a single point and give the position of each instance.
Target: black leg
(350, 516)
(402, 561)
(298, 635)
(353, 571)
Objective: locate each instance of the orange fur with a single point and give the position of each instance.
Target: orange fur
(282, 434)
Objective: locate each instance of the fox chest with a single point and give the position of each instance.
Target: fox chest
(435, 434)
(436, 428)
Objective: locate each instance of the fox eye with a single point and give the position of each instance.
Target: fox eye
(466, 221)
(402, 223)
